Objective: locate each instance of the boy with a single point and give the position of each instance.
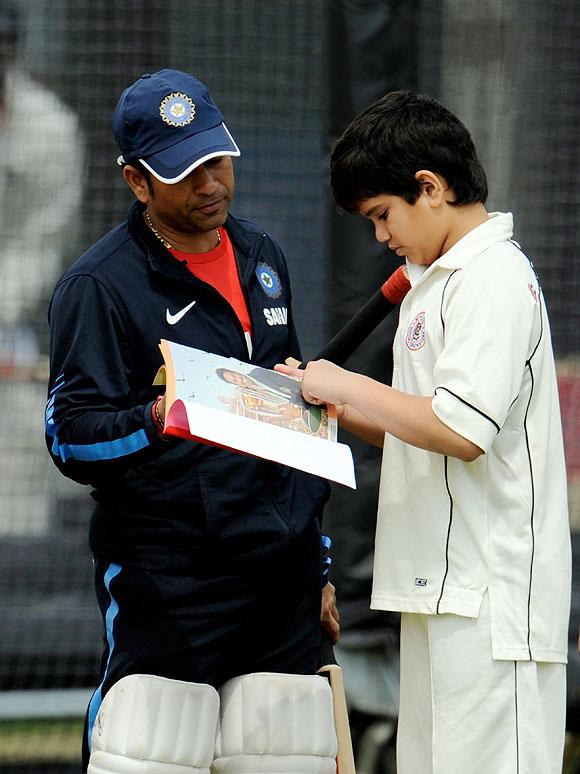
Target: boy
(472, 541)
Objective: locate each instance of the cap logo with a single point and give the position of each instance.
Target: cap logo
(177, 109)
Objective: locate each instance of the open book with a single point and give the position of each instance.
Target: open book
(239, 406)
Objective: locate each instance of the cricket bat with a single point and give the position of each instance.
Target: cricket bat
(332, 671)
(351, 336)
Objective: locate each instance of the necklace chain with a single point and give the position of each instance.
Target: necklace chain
(164, 241)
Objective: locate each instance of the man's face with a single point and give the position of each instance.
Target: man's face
(197, 204)
(410, 230)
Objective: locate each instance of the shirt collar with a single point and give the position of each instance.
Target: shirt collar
(498, 228)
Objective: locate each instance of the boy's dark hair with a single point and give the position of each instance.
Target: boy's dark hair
(386, 144)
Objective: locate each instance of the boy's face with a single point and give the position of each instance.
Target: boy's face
(411, 230)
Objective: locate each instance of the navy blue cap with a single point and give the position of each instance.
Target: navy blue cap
(168, 121)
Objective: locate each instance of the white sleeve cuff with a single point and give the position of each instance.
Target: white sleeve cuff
(464, 418)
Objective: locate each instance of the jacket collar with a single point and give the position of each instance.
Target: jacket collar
(245, 238)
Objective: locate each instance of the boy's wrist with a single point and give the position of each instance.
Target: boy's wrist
(354, 389)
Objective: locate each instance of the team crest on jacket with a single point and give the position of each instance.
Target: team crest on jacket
(415, 337)
(177, 109)
(269, 280)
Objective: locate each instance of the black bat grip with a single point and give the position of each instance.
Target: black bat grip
(326, 651)
(352, 335)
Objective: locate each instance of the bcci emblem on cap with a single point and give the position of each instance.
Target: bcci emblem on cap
(177, 109)
(153, 122)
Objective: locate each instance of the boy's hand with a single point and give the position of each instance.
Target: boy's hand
(322, 381)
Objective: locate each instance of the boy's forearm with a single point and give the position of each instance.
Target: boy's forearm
(351, 420)
(371, 409)
(408, 417)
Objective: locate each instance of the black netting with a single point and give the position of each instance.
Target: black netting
(288, 76)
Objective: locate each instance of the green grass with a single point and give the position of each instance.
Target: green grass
(24, 741)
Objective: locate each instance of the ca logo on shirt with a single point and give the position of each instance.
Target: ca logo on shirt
(415, 337)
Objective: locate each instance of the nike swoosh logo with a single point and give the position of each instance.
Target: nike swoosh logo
(175, 318)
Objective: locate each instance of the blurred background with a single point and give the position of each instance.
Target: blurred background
(288, 76)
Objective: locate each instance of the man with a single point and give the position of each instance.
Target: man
(207, 563)
(40, 193)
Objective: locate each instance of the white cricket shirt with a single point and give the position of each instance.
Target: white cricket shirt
(473, 333)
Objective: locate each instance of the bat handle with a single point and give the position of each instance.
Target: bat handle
(356, 330)
(326, 652)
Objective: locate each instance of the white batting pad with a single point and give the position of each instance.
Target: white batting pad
(276, 724)
(152, 725)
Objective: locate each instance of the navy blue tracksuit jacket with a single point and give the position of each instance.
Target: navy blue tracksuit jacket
(168, 506)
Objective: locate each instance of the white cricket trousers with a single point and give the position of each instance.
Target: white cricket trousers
(461, 712)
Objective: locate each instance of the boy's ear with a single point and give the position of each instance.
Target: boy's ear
(433, 186)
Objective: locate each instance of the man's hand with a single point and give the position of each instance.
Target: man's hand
(329, 615)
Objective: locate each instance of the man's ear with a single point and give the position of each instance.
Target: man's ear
(433, 186)
(137, 183)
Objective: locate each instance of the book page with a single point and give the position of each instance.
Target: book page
(253, 410)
